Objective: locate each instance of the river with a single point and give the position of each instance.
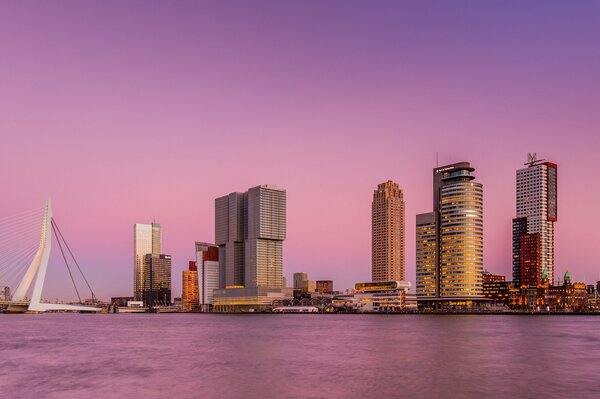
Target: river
(298, 356)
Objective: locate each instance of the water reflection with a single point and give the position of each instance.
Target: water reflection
(298, 356)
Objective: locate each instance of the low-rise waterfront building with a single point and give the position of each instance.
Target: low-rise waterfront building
(377, 296)
(248, 299)
(498, 292)
(570, 297)
(121, 300)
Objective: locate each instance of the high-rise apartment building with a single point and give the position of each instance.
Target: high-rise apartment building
(449, 240)
(210, 275)
(533, 228)
(250, 228)
(190, 288)
(157, 280)
(146, 240)
(387, 218)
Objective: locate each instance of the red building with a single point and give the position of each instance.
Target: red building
(531, 260)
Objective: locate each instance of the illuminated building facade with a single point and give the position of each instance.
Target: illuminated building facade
(190, 289)
(426, 247)
(536, 214)
(146, 240)
(548, 297)
(456, 280)
(388, 260)
(496, 288)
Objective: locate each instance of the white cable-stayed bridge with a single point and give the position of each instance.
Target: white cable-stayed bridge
(24, 257)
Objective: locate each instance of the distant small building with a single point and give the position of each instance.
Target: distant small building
(493, 278)
(5, 294)
(121, 300)
(300, 283)
(593, 298)
(304, 286)
(324, 286)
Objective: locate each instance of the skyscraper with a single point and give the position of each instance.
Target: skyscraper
(230, 234)
(266, 232)
(450, 240)
(146, 240)
(157, 280)
(533, 228)
(250, 228)
(388, 261)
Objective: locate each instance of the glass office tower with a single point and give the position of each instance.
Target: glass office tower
(449, 241)
(146, 240)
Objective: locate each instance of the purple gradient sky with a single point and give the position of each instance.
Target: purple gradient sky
(129, 112)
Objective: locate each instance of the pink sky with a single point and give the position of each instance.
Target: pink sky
(129, 113)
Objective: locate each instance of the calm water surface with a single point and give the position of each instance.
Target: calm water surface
(298, 356)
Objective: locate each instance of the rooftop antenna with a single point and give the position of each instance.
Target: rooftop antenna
(532, 159)
(437, 164)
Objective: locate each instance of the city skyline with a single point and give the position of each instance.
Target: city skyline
(151, 236)
(90, 124)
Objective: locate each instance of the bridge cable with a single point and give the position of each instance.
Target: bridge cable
(21, 214)
(75, 260)
(19, 241)
(66, 263)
